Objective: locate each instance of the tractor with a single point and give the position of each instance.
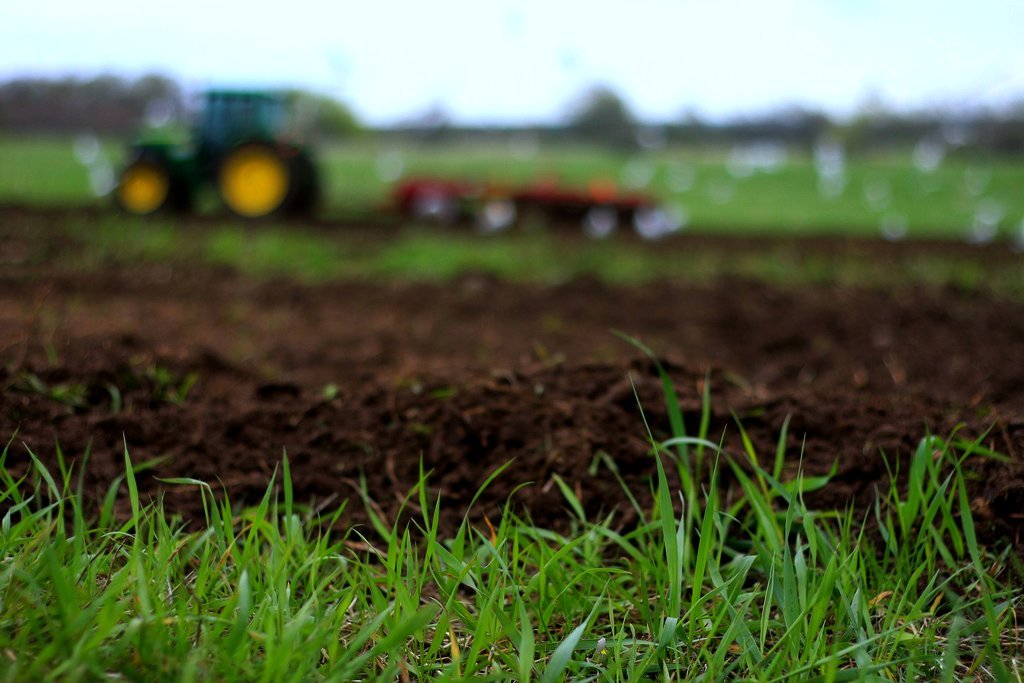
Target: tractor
(242, 146)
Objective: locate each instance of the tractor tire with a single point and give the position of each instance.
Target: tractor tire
(434, 206)
(496, 215)
(305, 195)
(147, 186)
(255, 181)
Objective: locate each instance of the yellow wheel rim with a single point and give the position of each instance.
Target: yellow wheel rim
(143, 188)
(253, 181)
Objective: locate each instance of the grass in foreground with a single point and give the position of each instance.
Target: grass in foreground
(754, 585)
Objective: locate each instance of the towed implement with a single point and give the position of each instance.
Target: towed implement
(599, 210)
(244, 146)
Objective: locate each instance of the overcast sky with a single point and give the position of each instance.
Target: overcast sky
(526, 60)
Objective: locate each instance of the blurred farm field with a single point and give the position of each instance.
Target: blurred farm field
(780, 588)
(323, 252)
(743, 190)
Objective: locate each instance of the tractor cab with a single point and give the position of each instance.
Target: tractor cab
(229, 117)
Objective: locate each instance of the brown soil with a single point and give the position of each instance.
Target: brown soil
(363, 381)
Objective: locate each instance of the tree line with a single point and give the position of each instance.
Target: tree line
(104, 104)
(602, 117)
(112, 105)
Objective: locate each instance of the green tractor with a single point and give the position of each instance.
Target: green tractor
(242, 147)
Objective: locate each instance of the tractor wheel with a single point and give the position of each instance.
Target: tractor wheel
(434, 206)
(146, 187)
(496, 215)
(600, 221)
(305, 193)
(254, 181)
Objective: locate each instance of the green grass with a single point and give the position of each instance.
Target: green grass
(424, 253)
(42, 170)
(756, 585)
(889, 189)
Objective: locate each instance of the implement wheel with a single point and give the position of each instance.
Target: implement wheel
(146, 187)
(254, 181)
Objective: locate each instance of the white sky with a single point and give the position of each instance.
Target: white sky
(526, 60)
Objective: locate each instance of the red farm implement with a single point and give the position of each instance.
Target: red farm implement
(599, 210)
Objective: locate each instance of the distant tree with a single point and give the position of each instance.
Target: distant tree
(326, 116)
(601, 116)
(160, 98)
(1002, 136)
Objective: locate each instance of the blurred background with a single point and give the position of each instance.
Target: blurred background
(871, 118)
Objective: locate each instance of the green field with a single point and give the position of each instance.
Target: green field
(710, 191)
(423, 253)
(747, 582)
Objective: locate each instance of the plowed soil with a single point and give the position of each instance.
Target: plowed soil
(216, 374)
